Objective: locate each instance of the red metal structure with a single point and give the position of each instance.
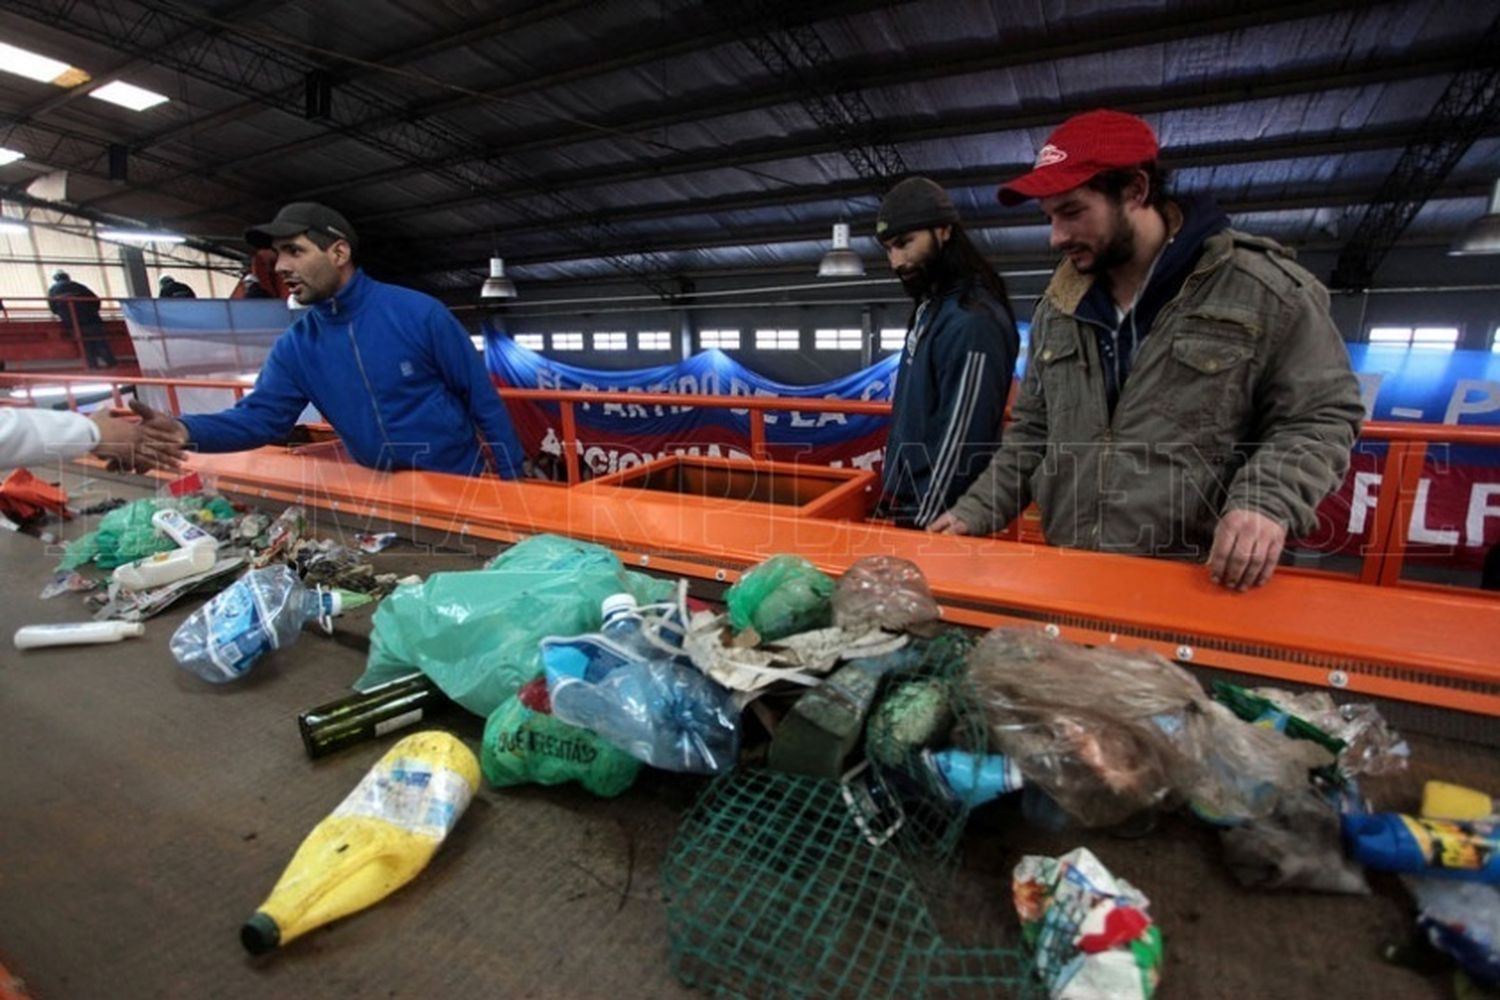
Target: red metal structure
(30, 332)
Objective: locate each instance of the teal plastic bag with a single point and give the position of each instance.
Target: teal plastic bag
(476, 633)
(524, 744)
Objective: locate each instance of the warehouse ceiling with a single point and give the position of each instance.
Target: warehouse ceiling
(656, 140)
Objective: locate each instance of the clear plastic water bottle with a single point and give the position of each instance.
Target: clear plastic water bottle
(623, 626)
(263, 610)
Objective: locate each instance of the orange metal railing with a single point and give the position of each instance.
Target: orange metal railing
(1382, 557)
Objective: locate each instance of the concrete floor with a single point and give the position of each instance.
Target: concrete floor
(146, 813)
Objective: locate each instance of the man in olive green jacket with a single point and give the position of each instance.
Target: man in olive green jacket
(1186, 392)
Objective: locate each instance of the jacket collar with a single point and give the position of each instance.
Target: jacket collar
(347, 300)
(1199, 232)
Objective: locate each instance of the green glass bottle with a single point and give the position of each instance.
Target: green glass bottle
(367, 715)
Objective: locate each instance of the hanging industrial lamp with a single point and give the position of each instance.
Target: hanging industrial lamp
(497, 285)
(841, 262)
(1482, 236)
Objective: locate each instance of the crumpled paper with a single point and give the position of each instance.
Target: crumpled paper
(802, 658)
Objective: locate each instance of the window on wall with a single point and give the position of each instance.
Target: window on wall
(724, 340)
(654, 340)
(778, 340)
(610, 340)
(567, 341)
(478, 339)
(1441, 338)
(837, 340)
(531, 341)
(892, 338)
(1495, 341)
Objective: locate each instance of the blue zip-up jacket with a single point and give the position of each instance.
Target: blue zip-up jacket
(395, 374)
(955, 375)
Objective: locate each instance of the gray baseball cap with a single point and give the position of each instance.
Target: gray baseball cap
(302, 217)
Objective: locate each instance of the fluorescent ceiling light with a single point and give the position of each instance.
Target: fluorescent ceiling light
(139, 236)
(128, 95)
(39, 67)
(9, 228)
(10, 155)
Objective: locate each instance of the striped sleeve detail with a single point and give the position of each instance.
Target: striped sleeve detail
(970, 385)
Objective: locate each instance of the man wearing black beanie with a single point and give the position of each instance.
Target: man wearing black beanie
(958, 360)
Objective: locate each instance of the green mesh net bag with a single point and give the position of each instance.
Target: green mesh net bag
(791, 886)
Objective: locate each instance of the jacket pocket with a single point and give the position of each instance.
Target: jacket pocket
(1206, 383)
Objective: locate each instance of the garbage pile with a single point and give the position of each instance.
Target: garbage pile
(847, 735)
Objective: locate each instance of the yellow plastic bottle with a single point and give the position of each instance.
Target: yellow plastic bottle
(376, 841)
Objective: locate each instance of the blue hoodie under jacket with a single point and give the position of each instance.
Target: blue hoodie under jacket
(395, 374)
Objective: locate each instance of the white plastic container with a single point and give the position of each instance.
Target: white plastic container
(166, 567)
(76, 633)
(182, 531)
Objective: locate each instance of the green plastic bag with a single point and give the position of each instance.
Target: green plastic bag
(782, 596)
(125, 534)
(475, 633)
(524, 745)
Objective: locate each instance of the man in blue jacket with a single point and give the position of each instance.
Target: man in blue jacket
(958, 361)
(390, 368)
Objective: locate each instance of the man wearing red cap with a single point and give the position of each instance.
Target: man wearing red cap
(1186, 392)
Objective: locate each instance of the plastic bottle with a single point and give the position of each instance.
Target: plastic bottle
(1442, 800)
(1395, 843)
(382, 834)
(166, 567)
(181, 530)
(368, 715)
(972, 778)
(263, 610)
(591, 657)
(76, 633)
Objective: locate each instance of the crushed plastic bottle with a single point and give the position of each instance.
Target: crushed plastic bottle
(263, 610)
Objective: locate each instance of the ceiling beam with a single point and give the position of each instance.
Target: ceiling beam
(1177, 158)
(1253, 86)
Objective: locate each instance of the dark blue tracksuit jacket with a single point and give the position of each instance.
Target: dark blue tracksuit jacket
(395, 374)
(955, 374)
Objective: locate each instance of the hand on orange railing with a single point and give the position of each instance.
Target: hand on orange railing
(1247, 546)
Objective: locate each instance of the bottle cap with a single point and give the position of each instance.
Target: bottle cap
(260, 934)
(617, 603)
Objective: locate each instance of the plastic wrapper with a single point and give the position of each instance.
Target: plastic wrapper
(1107, 734)
(1462, 920)
(780, 597)
(659, 712)
(887, 592)
(1090, 931)
(1372, 747)
(1296, 847)
(525, 744)
(476, 633)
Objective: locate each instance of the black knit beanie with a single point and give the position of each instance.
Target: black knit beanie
(915, 203)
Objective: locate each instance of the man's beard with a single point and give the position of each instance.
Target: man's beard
(1119, 250)
(928, 278)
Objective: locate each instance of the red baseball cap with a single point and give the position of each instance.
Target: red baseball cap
(1079, 148)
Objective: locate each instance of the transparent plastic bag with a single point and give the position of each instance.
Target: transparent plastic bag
(1373, 747)
(1108, 733)
(780, 597)
(885, 591)
(1461, 919)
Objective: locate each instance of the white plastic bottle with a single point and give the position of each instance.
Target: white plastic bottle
(182, 531)
(166, 567)
(76, 633)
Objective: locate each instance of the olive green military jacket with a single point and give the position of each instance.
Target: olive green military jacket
(1241, 397)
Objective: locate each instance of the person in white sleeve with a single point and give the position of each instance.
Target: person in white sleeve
(29, 436)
